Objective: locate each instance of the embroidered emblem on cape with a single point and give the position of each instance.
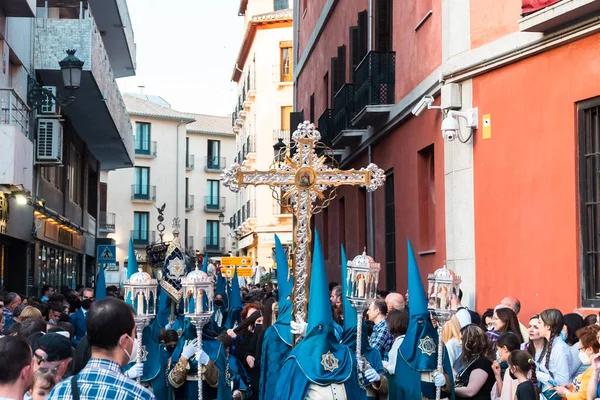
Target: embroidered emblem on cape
(176, 268)
(427, 346)
(329, 362)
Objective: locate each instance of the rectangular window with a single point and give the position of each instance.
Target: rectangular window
(212, 191)
(354, 56)
(341, 66)
(74, 175)
(140, 234)
(390, 233)
(426, 192)
(285, 117)
(142, 138)
(212, 235)
(213, 155)
(286, 61)
(280, 5)
(141, 189)
(383, 26)
(54, 176)
(588, 114)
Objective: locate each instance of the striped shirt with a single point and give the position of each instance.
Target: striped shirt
(101, 379)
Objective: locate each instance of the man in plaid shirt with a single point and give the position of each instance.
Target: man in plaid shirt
(381, 339)
(111, 336)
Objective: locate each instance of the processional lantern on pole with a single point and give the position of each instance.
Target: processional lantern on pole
(443, 284)
(198, 299)
(361, 287)
(143, 291)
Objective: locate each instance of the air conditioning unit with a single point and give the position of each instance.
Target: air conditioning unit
(52, 107)
(49, 143)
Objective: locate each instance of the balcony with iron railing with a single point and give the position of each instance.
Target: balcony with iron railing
(189, 162)
(214, 244)
(143, 193)
(344, 133)
(142, 238)
(214, 204)
(107, 222)
(14, 111)
(325, 126)
(189, 202)
(145, 149)
(214, 164)
(374, 90)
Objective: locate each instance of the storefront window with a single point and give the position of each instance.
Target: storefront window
(58, 267)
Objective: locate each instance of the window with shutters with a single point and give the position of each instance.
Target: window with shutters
(588, 114)
(341, 67)
(353, 56)
(142, 138)
(426, 189)
(334, 77)
(383, 26)
(74, 175)
(390, 232)
(141, 187)
(363, 34)
(280, 5)
(286, 72)
(326, 90)
(54, 176)
(140, 234)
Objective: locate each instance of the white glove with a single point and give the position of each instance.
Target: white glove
(202, 357)
(372, 376)
(439, 379)
(135, 371)
(190, 349)
(298, 328)
(169, 325)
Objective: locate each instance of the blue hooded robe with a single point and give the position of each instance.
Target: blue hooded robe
(419, 351)
(319, 358)
(277, 341)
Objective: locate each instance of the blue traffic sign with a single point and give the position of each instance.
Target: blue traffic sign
(107, 254)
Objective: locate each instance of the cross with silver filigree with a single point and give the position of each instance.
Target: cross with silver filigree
(303, 178)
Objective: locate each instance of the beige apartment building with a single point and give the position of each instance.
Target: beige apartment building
(178, 160)
(263, 72)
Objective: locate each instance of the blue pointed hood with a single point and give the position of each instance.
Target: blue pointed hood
(419, 348)
(132, 265)
(100, 284)
(205, 264)
(320, 356)
(221, 288)
(234, 314)
(350, 318)
(284, 316)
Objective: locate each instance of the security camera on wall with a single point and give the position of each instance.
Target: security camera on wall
(423, 104)
(451, 127)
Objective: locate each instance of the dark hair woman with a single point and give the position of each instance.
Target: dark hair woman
(506, 321)
(397, 321)
(522, 367)
(555, 362)
(507, 343)
(475, 378)
(573, 323)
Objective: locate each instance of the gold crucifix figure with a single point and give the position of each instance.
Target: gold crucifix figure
(303, 178)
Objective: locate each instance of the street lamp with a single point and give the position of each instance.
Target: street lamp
(71, 68)
(222, 220)
(279, 149)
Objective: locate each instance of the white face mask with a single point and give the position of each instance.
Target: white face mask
(134, 350)
(584, 358)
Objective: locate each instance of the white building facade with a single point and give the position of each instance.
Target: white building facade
(178, 159)
(263, 72)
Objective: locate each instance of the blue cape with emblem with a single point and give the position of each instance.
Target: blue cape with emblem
(319, 358)
(418, 352)
(174, 269)
(277, 341)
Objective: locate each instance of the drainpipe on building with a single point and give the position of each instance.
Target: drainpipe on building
(371, 214)
(370, 27)
(177, 170)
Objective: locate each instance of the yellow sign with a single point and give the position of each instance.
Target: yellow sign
(487, 126)
(236, 261)
(228, 272)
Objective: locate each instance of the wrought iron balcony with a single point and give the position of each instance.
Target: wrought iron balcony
(143, 193)
(345, 134)
(143, 237)
(214, 164)
(106, 223)
(375, 87)
(214, 204)
(325, 125)
(189, 162)
(145, 149)
(189, 202)
(214, 244)
(14, 111)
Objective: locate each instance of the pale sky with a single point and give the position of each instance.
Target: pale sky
(186, 51)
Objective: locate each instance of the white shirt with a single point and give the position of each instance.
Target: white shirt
(560, 365)
(393, 355)
(454, 349)
(335, 391)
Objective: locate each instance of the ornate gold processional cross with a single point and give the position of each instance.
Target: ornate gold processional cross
(303, 178)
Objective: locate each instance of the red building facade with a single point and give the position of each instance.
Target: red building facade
(514, 209)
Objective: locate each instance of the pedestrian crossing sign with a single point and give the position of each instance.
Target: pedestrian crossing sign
(107, 254)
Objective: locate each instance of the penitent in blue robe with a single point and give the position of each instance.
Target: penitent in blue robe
(277, 344)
